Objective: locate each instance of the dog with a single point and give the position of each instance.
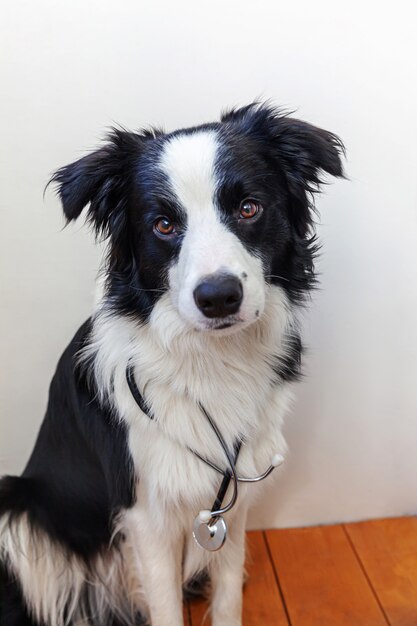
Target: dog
(210, 255)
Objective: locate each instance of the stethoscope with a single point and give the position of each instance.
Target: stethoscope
(210, 528)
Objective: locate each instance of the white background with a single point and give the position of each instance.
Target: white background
(71, 69)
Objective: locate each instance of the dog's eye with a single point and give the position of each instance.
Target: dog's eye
(164, 226)
(249, 209)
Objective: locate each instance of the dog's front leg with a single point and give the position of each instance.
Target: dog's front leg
(160, 553)
(227, 576)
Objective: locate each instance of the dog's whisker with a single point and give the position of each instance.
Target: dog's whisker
(277, 276)
(143, 289)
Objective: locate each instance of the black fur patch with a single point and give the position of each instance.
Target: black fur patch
(278, 161)
(12, 608)
(288, 367)
(80, 474)
(198, 587)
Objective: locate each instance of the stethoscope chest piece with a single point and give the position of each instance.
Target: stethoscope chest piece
(210, 535)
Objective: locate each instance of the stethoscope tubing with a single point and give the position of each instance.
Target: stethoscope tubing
(240, 479)
(236, 479)
(224, 509)
(230, 474)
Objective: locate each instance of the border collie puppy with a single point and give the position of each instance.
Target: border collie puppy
(210, 253)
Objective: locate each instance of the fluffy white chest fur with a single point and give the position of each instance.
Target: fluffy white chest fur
(175, 369)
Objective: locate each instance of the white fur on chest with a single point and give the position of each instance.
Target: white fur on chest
(175, 369)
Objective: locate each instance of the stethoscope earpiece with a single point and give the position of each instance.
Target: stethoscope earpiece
(204, 516)
(277, 460)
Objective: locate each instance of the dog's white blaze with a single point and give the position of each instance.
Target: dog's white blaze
(208, 247)
(189, 162)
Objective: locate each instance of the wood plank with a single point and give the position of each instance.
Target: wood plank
(186, 614)
(262, 604)
(321, 579)
(388, 551)
(199, 612)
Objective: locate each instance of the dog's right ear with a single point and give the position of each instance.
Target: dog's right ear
(100, 181)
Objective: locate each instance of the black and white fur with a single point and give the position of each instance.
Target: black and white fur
(97, 530)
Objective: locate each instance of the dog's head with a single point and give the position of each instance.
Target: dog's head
(205, 217)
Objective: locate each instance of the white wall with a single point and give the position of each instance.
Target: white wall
(69, 69)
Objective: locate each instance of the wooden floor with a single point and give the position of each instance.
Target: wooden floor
(361, 574)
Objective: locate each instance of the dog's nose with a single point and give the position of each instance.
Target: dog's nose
(219, 295)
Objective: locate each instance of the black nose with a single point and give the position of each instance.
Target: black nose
(219, 295)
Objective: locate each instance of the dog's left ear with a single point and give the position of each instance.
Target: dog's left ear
(99, 180)
(306, 151)
(301, 151)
